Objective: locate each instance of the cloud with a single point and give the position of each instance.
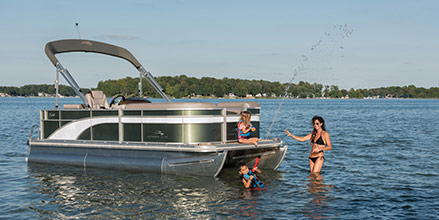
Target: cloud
(120, 37)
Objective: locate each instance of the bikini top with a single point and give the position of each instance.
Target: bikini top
(320, 141)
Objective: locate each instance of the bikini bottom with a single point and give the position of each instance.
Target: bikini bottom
(313, 159)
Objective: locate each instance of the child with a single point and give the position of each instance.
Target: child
(249, 178)
(244, 128)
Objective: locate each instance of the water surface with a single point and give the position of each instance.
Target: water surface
(383, 165)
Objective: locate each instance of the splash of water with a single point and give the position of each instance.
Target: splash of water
(329, 42)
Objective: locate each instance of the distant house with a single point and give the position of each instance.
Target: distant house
(390, 96)
(43, 94)
(4, 94)
(373, 97)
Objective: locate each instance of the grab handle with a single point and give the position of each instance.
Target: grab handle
(31, 133)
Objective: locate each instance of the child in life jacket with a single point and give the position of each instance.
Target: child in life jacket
(249, 178)
(245, 128)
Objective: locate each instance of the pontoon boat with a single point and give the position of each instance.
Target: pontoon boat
(135, 134)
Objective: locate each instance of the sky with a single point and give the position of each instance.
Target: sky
(349, 43)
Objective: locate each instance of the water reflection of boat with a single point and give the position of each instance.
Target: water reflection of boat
(74, 193)
(134, 134)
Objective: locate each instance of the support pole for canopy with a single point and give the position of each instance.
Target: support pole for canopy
(140, 85)
(65, 73)
(72, 45)
(57, 88)
(148, 76)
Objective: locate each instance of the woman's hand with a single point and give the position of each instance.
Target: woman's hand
(307, 137)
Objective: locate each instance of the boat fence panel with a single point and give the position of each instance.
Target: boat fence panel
(105, 132)
(202, 112)
(104, 113)
(74, 115)
(85, 135)
(132, 113)
(163, 133)
(132, 132)
(188, 126)
(196, 133)
(49, 127)
(162, 112)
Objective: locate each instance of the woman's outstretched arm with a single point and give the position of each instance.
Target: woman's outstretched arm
(306, 138)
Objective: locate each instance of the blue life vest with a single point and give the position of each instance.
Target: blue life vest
(256, 182)
(241, 133)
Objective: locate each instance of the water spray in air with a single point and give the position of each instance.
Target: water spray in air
(329, 43)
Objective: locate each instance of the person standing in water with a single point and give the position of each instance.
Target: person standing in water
(319, 140)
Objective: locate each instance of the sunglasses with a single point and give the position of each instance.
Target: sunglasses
(317, 123)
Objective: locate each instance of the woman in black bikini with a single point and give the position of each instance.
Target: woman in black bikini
(320, 142)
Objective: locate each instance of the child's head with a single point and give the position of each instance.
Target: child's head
(243, 169)
(245, 117)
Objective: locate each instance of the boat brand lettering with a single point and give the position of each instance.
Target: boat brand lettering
(157, 134)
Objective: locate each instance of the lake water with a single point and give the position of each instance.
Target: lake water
(383, 165)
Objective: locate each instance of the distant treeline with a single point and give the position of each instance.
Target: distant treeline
(184, 86)
(38, 90)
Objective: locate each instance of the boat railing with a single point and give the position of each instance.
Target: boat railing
(31, 135)
(187, 124)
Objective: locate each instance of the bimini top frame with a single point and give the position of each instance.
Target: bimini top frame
(66, 46)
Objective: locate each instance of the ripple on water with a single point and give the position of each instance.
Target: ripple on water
(376, 170)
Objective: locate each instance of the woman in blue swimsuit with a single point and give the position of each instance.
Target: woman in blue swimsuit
(319, 140)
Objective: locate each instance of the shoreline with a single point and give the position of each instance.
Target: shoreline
(243, 98)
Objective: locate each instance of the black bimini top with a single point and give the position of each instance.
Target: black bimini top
(66, 46)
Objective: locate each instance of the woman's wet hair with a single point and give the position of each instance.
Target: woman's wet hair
(314, 131)
(320, 119)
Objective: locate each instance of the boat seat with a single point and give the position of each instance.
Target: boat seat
(96, 99)
(170, 105)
